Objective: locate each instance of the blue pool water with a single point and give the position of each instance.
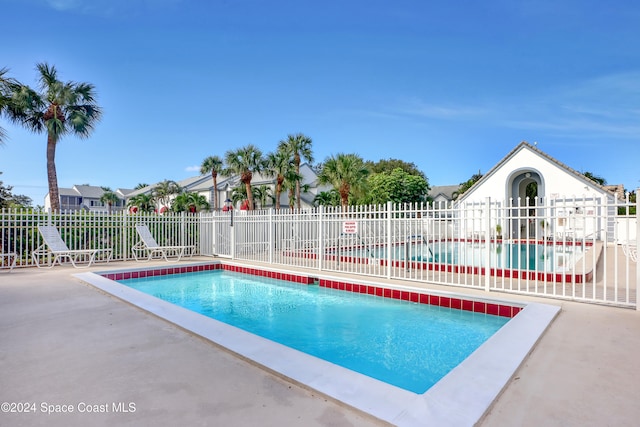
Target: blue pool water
(533, 257)
(405, 344)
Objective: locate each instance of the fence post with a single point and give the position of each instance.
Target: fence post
(124, 239)
(487, 244)
(389, 237)
(233, 235)
(271, 231)
(637, 240)
(320, 239)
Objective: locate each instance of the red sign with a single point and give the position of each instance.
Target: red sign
(349, 227)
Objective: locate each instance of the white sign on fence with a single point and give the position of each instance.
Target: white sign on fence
(349, 227)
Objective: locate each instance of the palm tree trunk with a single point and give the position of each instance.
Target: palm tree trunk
(249, 195)
(52, 176)
(344, 195)
(291, 198)
(278, 191)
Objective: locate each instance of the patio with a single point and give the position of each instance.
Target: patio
(64, 343)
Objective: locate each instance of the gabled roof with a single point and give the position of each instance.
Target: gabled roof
(91, 191)
(526, 146)
(445, 191)
(68, 192)
(124, 192)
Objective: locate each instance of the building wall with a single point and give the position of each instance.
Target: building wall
(554, 181)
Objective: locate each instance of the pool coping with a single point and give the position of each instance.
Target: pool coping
(462, 397)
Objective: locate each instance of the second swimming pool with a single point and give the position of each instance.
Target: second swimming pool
(409, 345)
(507, 255)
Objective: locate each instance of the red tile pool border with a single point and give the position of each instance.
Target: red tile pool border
(454, 302)
(124, 275)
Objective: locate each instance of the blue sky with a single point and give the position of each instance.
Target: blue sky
(451, 86)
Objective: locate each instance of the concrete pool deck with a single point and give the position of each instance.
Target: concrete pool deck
(63, 342)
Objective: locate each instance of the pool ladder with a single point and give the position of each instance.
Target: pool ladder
(414, 238)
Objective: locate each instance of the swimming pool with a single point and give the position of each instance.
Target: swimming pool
(403, 343)
(461, 397)
(506, 255)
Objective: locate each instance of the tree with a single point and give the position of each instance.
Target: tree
(595, 178)
(280, 165)
(290, 186)
(7, 107)
(626, 210)
(165, 190)
(9, 200)
(140, 186)
(189, 202)
(263, 193)
(143, 202)
(464, 186)
(245, 162)
(397, 186)
(327, 198)
(109, 198)
(239, 194)
(213, 165)
(58, 109)
(298, 146)
(346, 172)
(389, 165)
(531, 192)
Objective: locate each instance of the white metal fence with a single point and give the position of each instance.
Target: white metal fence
(570, 248)
(82, 230)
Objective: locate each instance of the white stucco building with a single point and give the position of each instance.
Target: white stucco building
(526, 164)
(565, 198)
(87, 197)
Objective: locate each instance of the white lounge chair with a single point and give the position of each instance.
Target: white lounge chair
(54, 245)
(149, 245)
(631, 251)
(11, 259)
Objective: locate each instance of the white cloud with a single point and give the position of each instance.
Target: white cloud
(607, 106)
(192, 169)
(603, 107)
(65, 4)
(108, 7)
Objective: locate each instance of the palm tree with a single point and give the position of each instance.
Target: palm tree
(298, 146)
(263, 193)
(109, 198)
(346, 172)
(213, 165)
(190, 202)
(144, 202)
(595, 178)
(140, 186)
(290, 184)
(245, 162)
(327, 198)
(164, 190)
(281, 165)
(7, 87)
(239, 194)
(59, 109)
